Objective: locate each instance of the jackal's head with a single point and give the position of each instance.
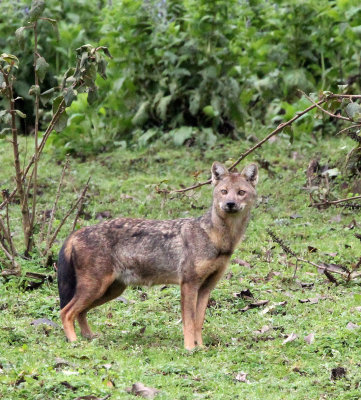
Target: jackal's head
(234, 192)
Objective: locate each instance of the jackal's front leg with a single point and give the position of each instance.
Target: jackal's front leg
(189, 296)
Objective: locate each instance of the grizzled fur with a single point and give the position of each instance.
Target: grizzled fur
(98, 262)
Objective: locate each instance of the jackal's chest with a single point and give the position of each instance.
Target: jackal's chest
(207, 267)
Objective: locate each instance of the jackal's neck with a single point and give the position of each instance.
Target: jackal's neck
(226, 231)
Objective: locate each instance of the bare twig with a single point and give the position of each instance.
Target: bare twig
(342, 271)
(30, 239)
(329, 203)
(349, 128)
(323, 110)
(72, 208)
(78, 212)
(52, 214)
(18, 173)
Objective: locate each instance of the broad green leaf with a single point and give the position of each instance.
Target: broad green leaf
(70, 95)
(20, 36)
(92, 94)
(352, 109)
(37, 8)
(144, 139)
(41, 67)
(180, 135)
(56, 103)
(20, 114)
(105, 51)
(61, 122)
(141, 115)
(9, 58)
(102, 68)
(209, 111)
(194, 103)
(162, 107)
(46, 96)
(4, 132)
(34, 90)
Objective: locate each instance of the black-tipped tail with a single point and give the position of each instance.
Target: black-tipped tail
(66, 277)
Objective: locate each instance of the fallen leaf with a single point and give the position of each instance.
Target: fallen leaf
(310, 338)
(290, 338)
(312, 249)
(295, 216)
(244, 294)
(351, 326)
(240, 262)
(331, 254)
(138, 389)
(68, 385)
(103, 215)
(44, 321)
(242, 377)
(336, 218)
(271, 275)
(264, 329)
(91, 397)
(338, 373)
(60, 363)
(122, 299)
(229, 275)
(337, 268)
(307, 285)
(256, 304)
(273, 307)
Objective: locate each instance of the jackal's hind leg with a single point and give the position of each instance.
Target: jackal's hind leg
(88, 290)
(113, 291)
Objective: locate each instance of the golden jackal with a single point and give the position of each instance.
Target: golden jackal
(97, 263)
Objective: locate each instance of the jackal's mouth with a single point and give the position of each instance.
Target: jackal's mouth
(231, 211)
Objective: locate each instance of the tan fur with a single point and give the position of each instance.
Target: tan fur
(102, 260)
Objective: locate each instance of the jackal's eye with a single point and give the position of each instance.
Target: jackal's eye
(241, 192)
(224, 191)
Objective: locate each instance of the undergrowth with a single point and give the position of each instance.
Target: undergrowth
(140, 335)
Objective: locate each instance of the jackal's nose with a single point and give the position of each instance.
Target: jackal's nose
(231, 205)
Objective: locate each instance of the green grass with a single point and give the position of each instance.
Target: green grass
(141, 340)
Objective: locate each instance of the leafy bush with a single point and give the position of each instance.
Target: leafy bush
(224, 65)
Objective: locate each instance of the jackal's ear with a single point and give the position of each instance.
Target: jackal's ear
(250, 173)
(218, 170)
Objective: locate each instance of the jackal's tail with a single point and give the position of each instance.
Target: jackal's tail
(66, 276)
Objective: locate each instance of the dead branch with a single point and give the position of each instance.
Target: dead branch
(323, 110)
(30, 239)
(72, 208)
(329, 203)
(325, 267)
(57, 196)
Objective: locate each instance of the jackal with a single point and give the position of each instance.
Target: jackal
(97, 263)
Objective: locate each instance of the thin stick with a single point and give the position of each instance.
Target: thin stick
(323, 110)
(326, 203)
(78, 212)
(257, 145)
(73, 207)
(17, 166)
(349, 128)
(36, 157)
(57, 196)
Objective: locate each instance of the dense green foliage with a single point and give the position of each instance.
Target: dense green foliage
(181, 64)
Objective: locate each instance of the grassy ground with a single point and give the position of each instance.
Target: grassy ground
(140, 338)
